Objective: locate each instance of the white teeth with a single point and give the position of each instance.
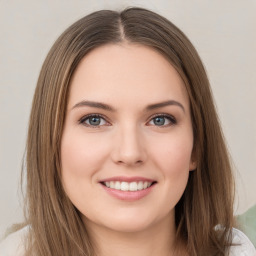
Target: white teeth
(140, 185)
(124, 186)
(133, 186)
(117, 185)
(112, 184)
(128, 186)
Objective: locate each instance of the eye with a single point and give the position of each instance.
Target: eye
(163, 120)
(93, 121)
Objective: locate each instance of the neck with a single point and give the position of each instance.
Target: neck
(155, 240)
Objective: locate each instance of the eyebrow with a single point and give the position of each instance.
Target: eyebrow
(164, 104)
(94, 104)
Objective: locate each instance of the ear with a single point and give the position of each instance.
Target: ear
(193, 161)
(192, 165)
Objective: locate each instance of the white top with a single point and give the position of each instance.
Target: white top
(13, 244)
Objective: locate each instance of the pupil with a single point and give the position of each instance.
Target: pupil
(94, 120)
(159, 121)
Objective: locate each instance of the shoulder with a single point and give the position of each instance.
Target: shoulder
(13, 244)
(242, 246)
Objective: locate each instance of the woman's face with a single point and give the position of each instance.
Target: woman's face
(127, 140)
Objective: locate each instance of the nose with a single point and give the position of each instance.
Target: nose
(129, 148)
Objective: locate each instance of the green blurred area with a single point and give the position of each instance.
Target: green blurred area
(247, 223)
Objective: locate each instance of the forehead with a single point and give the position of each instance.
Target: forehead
(126, 72)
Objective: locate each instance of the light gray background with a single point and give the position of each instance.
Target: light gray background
(223, 31)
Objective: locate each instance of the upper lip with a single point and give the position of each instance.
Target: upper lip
(127, 179)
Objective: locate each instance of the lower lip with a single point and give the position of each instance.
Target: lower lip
(128, 195)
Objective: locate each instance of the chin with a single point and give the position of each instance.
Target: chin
(130, 227)
(132, 222)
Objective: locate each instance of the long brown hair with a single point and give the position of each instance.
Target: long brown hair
(55, 224)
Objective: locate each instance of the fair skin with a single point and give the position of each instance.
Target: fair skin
(129, 140)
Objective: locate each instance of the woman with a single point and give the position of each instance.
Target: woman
(125, 155)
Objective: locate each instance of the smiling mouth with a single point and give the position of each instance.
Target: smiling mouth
(128, 186)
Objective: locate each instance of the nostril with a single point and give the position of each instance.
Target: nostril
(129, 162)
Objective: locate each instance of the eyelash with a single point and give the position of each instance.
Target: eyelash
(85, 118)
(170, 118)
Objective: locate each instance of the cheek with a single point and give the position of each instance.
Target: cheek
(175, 172)
(81, 158)
(82, 155)
(173, 155)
